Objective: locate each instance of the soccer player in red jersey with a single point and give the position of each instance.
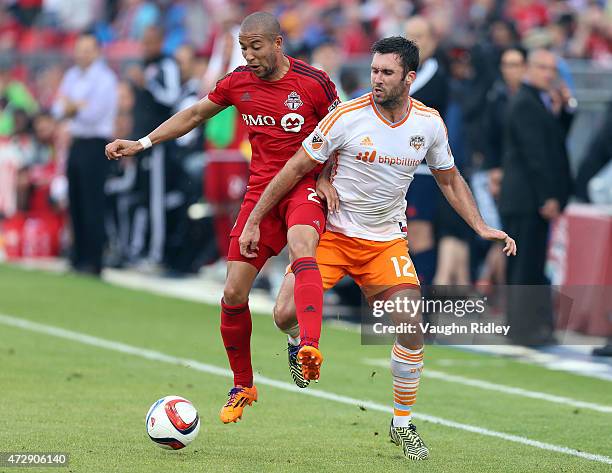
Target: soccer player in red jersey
(281, 100)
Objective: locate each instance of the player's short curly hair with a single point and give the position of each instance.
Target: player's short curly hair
(406, 49)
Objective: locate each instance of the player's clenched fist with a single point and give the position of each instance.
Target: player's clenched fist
(249, 240)
(121, 148)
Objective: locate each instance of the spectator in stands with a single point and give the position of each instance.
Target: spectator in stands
(190, 88)
(184, 183)
(120, 185)
(486, 184)
(87, 98)
(351, 85)
(452, 233)
(328, 57)
(512, 70)
(133, 19)
(598, 155)
(225, 54)
(354, 37)
(10, 30)
(528, 14)
(45, 128)
(27, 11)
(36, 176)
(157, 90)
(593, 36)
(174, 21)
(535, 188)
(14, 95)
(68, 15)
(46, 83)
(431, 88)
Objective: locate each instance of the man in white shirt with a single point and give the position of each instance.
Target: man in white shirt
(379, 139)
(87, 98)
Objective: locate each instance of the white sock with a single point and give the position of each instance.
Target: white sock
(293, 334)
(406, 367)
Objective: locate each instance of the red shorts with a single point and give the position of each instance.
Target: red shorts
(225, 181)
(301, 206)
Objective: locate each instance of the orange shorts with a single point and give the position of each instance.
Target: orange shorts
(369, 263)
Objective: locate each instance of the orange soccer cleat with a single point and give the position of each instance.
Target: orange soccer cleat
(239, 397)
(311, 359)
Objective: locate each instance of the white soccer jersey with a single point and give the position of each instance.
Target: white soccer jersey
(376, 161)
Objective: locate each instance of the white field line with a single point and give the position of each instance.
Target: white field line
(205, 289)
(263, 380)
(477, 383)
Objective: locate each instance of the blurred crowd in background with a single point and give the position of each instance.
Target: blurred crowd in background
(174, 208)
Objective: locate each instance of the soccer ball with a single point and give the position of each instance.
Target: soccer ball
(172, 422)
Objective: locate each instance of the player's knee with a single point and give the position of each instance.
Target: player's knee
(302, 247)
(412, 341)
(233, 294)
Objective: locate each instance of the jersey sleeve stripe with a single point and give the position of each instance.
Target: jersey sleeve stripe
(418, 103)
(321, 82)
(449, 168)
(310, 155)
(341, 107)
(350, 103)
(419, 106)
(342, 112)
(317, 72)
(331, 123)
(324, 77)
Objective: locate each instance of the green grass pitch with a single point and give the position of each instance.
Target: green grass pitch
(61, 395)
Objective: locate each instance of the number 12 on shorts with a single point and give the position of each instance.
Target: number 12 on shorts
(402, 266)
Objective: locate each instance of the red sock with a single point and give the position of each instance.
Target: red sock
(236, 333)
(308, 296)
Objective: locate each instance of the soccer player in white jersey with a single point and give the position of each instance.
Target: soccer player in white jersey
(379, 140)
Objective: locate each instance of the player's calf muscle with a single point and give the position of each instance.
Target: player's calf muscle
(284, 309)
(284, 314)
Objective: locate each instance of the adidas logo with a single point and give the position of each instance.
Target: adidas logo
(310, 309)
(246, 97)
(367, 141)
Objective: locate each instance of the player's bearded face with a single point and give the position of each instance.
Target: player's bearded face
(259, 51)
(389, 95)
(389, 84)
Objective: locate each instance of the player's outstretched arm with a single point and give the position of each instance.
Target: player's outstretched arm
(459, 196)
(283, 182)
(176, 126)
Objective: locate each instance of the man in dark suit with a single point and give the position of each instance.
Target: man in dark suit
(432, 88)
(535, 188)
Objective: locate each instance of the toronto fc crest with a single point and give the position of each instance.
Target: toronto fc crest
(293, 101)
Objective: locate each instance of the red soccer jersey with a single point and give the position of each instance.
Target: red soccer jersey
(279, 114)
